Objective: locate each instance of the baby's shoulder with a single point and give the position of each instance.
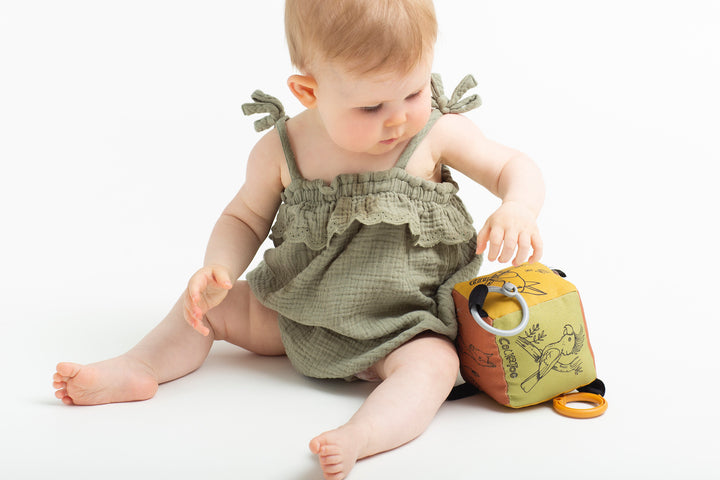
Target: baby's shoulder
(451, 129)
(452, 124)
(267, 157)
(268, 147)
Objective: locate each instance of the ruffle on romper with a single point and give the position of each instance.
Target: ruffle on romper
(366, 263)
(313, 213)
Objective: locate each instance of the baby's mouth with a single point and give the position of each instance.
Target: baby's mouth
(391, 140)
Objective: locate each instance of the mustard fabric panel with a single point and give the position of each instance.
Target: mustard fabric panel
(550, 357)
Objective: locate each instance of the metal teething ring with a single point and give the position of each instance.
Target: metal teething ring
(509, 290)
(560, 405)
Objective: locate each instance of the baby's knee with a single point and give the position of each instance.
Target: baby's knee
(429, 355)
(444, 361)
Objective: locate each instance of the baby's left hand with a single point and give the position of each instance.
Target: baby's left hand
(511, 227)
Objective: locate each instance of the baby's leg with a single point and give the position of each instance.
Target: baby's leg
(171, 350)
(417, 379)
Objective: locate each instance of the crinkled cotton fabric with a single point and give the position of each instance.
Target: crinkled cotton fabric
(364, 264)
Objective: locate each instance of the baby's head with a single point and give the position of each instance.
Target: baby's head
(365, 68)
(362, 36)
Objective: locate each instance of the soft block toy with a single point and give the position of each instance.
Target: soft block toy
(522, 336)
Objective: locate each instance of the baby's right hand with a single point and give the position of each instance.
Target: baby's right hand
(206, 289)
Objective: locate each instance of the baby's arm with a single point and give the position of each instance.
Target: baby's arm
(238, 233)
(505, 172)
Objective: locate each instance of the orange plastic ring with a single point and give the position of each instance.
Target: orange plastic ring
(560, 405)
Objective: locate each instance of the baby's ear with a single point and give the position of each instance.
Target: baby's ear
(303, 87)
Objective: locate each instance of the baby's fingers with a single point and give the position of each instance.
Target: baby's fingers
(510, 243)
(523, 249)
(193, 314)
(196, 286)
(191, 308)
(495, 240)
(537, 246)
(222, 279)
(482, 239)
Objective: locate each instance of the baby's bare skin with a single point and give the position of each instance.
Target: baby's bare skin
(417, 378)
(171, 350)
(338, 450)
(422, 372)
(369, 126)
(119, 379)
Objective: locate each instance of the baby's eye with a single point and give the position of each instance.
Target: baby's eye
(413, 95)
(374, 108)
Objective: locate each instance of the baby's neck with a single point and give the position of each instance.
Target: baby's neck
(318, 157)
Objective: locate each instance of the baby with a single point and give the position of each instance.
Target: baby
(369, 234)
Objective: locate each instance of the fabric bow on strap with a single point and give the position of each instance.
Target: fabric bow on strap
(264, 103)
(455, 104)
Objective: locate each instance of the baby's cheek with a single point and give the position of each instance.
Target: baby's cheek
(355, 136)
(419, 118)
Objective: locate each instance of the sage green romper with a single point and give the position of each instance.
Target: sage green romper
(366, 263)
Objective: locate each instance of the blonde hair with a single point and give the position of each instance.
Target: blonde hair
(363, 35)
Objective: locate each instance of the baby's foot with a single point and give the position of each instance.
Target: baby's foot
(338, 450)
(120, 379)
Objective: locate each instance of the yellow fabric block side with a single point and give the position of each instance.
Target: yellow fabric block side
(536, 282)
(551, 356)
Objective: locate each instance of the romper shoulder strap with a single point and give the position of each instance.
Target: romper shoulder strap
(264, 103)
(442, 105)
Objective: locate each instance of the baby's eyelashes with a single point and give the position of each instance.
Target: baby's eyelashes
(413, 95)
(374, 108)
(378, 107)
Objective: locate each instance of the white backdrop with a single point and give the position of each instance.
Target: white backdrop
(122, 138)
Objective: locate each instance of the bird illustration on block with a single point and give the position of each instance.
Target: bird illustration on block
(554, 356)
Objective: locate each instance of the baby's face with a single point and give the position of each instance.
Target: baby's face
(373, 113)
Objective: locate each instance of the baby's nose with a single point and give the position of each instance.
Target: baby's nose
(398, 117)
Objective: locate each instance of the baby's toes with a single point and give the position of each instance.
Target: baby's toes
(335, 476)
(330, 450)
(333, 469)
(62, 394)
(67, 370)
(330, 460)
(60, 381)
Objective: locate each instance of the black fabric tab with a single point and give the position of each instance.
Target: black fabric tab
(477, 297)
(597, 387)
(463, 390)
